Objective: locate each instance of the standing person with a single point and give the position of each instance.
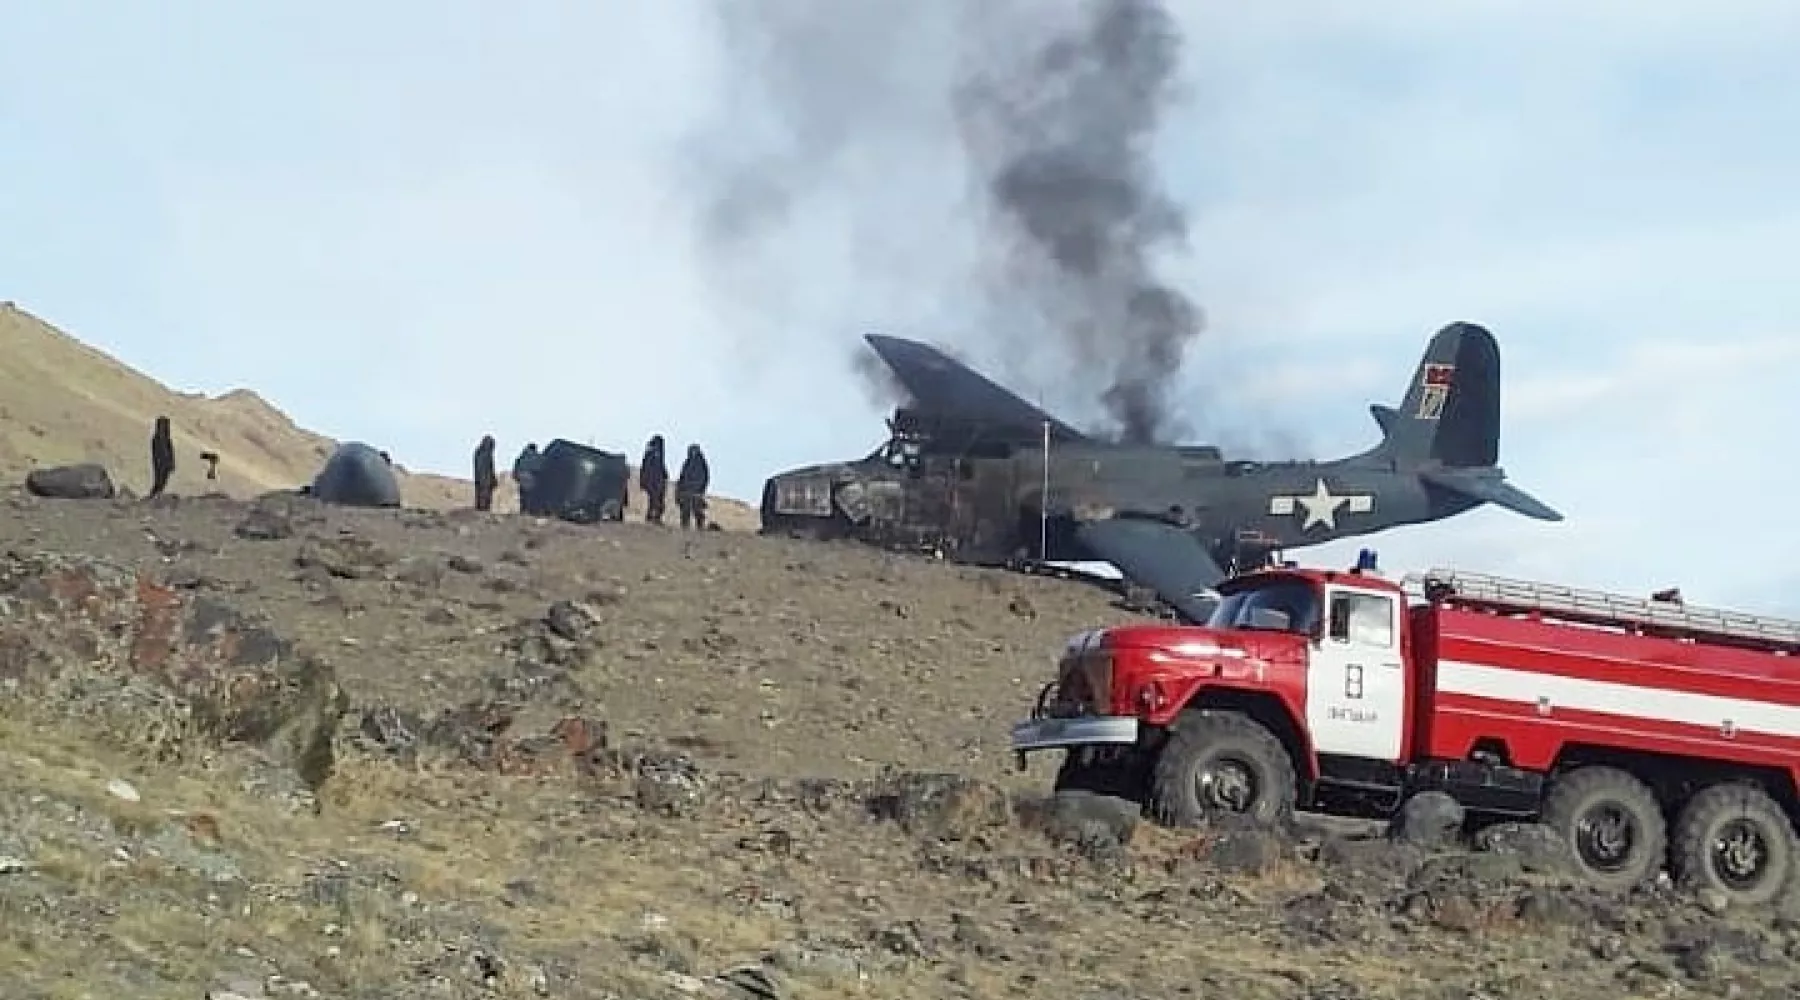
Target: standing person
(485, 476)
(653, 479)
(525, 474)
(690, 488)
(162, 456)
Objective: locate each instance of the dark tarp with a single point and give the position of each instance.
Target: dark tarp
(357, 476)
(579, 484)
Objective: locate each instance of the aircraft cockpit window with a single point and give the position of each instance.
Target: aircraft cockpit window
(1285, 606)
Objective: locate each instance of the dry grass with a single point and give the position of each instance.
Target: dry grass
(63, 402)
(474, 834)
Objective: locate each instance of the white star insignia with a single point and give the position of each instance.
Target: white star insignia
(1321, 507)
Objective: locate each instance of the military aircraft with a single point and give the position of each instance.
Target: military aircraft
(974, 472)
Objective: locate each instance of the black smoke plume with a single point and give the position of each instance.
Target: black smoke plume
(1050, 109)
(1063, 137)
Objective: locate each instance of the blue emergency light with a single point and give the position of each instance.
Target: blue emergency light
(1365, 561)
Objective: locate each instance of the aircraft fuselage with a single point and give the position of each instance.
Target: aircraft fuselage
(988, 509)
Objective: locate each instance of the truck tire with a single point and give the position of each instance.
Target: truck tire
(1221, 763)
(1613, 824)
(1735, 839)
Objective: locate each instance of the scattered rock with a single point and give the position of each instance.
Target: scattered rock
(468, 565)
(1713, 901)
(264, 524)
(1244, 852)
(390, 730)
(157, 668)
(87, 481)
(122, 790)
(475, 732)
(945, 806)
(1087, 821)
(438, 614)
(1537, 848)
(669, 784)
(570, 621)
(424, 572)
(1428, 819)
(1703, 960)
(346, 557)
(1551, 908)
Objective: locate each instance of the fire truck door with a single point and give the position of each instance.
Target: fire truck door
(1355, 678)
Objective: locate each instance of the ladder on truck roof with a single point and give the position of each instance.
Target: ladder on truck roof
(1599, 607)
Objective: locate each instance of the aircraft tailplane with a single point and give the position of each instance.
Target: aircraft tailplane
(1451, 413)
(1490, 486)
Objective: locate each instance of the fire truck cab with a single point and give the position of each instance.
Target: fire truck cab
(1646, 732)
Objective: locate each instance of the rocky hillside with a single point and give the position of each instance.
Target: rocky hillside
(63, 402)
(283, 750)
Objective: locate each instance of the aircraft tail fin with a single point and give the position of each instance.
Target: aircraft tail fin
(1490, 486)
(1451, 413)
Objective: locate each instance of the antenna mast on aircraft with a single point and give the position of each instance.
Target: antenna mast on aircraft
(1044, 502)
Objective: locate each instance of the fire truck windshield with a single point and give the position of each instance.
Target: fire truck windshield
(1276, 606)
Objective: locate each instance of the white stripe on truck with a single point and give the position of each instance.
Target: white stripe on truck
(1658, 704)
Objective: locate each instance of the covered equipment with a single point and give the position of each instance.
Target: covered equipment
(580, 484)
(357, 475)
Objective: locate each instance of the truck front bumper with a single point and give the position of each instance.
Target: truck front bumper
(1078, 731)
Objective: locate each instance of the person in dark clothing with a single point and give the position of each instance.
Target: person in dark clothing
(690, 489)
(524, 472)
(162, 456)
(485, 476)
(653, 479)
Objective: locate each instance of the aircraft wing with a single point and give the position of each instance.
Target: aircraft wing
(1168, 560)
(940, 384)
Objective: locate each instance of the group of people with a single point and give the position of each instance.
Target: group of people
(653, 478)
(690, 484)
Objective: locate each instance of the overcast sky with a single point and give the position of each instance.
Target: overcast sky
(415, 222)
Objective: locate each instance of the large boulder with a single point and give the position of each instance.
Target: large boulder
(158, 669)
(87, 481)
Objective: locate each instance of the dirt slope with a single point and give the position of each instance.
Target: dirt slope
(62, 402)
(414, 754)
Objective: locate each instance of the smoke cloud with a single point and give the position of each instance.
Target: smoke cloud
(1063, 136)
(988, 168)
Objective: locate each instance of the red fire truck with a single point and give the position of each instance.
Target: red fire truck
(1646, 732)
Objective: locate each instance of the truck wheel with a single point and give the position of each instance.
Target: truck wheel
(1612, 823)
(1735, 839)
(1221, 763)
